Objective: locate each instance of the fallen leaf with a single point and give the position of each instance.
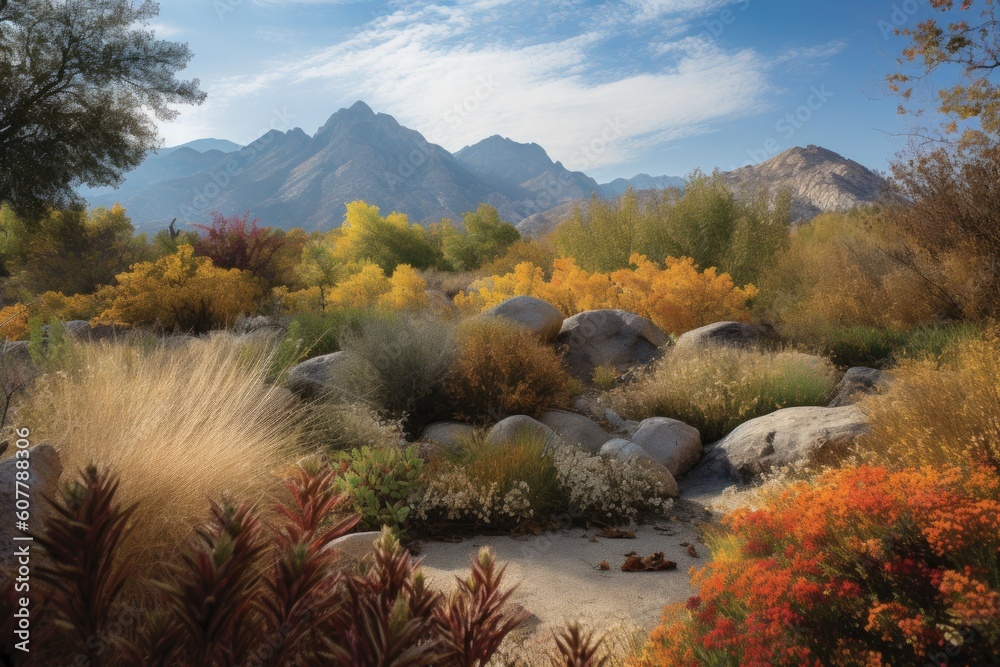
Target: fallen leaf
(692, 551)
(604, 566)
(651, 563)
(592, 538)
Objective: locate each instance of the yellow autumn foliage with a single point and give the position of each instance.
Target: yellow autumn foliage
(178, 291)
(370, 287)
(66, 308)
(14, 321)
(677, 297)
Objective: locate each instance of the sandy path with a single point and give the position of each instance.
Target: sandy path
(558, 579)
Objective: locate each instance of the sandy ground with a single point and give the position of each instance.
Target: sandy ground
(558, 578)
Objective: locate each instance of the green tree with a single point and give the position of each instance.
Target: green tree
(78, 80)
(485, 238)
(386, 241)
(70, 251)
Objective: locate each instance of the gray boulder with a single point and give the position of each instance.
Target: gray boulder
(670, 442)
(858, 382)
(541, 318)
(790, 437)
(318, 376)
(354, 548)
(44, 469)
(613, 338)
(447, 435)
(736, 334)
(511, 428)
(628, 451)
(576, 430)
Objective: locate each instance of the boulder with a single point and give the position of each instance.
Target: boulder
(626, 450)
(354, 548)
(447, 435)
(613, 338)
(541, 318)
(790, 437)
(736, 334)
(670, 442)
(44, 470)
(575, 429)
(513, 427)
(317, 376)
(857, 382)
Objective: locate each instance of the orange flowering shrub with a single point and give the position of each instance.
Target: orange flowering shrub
(14, 321)
(862, 567)
(677, 298)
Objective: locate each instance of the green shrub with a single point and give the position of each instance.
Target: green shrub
(313, 334)
(381, 480)
(715, 389)
(344, 426)
(400, 364)
(878, 347)
(503, 369)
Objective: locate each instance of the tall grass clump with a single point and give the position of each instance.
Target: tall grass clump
(399, 364)
(940, 411)
(715, 389)
(181, 424)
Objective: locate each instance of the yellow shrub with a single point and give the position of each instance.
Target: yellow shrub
(76, 307)
(940, 414)
(179, 290)
(371, 287)
(407, 290)
(305, 300)
(14, 321)
(676, 298)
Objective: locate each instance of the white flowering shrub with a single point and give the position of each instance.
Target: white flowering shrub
(499, 487)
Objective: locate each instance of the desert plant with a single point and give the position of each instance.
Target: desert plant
(861, 566)
(236, 242)
(14, 321)
(178, 291)
(715, 389)
(945, 412)
(399, 364)
(84, 568)
(180, 424)
(337, 427)
(380, 481)
(502, 369)
(579, 648)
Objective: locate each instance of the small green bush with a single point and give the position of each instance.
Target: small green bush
(716, 389)
(344, 426)
(400, 364)
(881, 348)
(381, 480)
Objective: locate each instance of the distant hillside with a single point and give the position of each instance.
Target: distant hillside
(819, 180)
(619, 186)
(203, 146)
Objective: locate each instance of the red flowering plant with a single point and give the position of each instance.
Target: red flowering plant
(862, 566)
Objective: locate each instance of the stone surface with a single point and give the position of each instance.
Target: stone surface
(541, 318)
(670, 442)
(613, 338)
(626, 450)
(789, 437)
(857, 382)
(735, 334)
(354, 547)
(44, 470)
(511, 428)
(317, 376)
(447, 435)
(577, 430)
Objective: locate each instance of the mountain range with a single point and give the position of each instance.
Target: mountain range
(291, 179)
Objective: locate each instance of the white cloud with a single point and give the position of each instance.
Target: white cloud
(444, 71)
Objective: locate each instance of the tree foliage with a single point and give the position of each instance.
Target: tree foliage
(236, 242)
(705, 222)
(964, 39)
(484, 238)
(179, 291)
(70, 250)
(78, 79)
(386, 241)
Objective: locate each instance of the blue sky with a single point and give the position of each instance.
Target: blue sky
(609, 88)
